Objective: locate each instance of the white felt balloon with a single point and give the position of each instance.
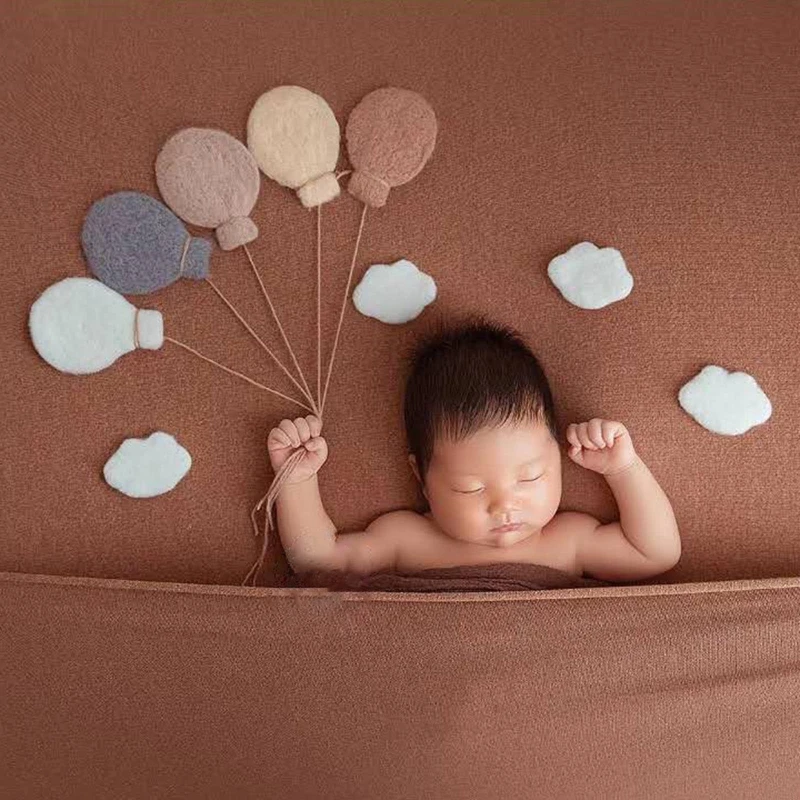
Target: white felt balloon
(590, 277)
(80, 325)
(147, 467)
(394, 293)
(294, 137)
(724, 402)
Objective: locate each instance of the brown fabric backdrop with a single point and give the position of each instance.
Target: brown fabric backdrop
(124, 689)
(667, 130)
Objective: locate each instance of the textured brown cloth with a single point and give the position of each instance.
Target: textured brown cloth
(476, 578)
(133, 665)
(667, 130)
(125, 689)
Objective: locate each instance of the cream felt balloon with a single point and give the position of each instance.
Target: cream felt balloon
(294, 137)
(80, 326)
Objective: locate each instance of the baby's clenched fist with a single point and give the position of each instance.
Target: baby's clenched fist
(288, 437)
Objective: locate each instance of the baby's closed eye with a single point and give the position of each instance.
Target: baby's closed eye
(480, 488)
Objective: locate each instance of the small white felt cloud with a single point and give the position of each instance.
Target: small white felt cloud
(590, 277)
(147, 467)
(394, 293)
(724, 402)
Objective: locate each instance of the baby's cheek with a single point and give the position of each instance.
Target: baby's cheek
(466, 515)
(480, 519)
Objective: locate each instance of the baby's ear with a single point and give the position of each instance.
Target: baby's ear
(413, 462)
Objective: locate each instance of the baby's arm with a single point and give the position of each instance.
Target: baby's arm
(311, 542)
(308, 535)
(646, 540)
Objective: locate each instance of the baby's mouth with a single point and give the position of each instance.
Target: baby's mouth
(514, 526)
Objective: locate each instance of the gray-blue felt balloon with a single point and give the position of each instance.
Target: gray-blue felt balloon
(135, 245)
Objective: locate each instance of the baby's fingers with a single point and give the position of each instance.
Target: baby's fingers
(581, 437)
(278, 439)
(595, 433)
(609, 429)
(572, 435)
(303, 429)
(288, 427)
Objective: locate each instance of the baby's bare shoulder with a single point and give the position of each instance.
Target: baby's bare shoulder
(570, 527)
(573, 521)
(402, 522)
(406, 529)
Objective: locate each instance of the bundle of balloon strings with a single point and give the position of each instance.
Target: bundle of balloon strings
(390, 136)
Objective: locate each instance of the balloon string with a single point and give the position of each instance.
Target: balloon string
(344, 304)
(319, 312)
(136, 329)
(288, 466)
(234, 372)
(280, 327)
(255, 336)
(270, 497)
(183, 254)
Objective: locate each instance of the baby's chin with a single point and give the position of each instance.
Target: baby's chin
(500, 540)
(508, 538)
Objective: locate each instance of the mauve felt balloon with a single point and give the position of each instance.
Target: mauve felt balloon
(390, 137)
(210, 179)
(135, 245)
(294, 137)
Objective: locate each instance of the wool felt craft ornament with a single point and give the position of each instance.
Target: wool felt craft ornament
(135, 245)
(81, 326)
(729, 403)
(591, 277)
(394, 293)
(147, 467)
(294, 136)
(209, 178)
(391, 134)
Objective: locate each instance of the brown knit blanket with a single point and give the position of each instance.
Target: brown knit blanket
(483, 578)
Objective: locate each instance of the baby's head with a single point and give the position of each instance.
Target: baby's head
(480, 425)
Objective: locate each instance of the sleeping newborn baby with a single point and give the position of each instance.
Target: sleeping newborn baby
(484, 447)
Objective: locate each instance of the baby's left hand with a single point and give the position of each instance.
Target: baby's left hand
(601, 445)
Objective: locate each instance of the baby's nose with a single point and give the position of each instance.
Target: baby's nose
(503, 505)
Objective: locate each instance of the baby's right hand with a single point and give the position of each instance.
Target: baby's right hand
(288, 436)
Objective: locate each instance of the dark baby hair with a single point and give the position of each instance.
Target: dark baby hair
(468, 375)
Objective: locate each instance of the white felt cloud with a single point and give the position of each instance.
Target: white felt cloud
(147, 467)
(394, 293)
(724, 402)
(590, 277)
